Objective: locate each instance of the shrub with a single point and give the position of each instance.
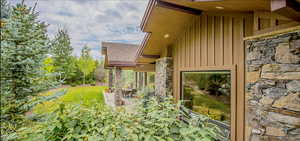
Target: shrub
(156, 121)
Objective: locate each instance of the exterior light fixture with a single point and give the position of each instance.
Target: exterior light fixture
(166, 36)
(219, 7)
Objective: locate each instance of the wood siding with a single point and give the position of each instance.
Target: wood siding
(215, 42)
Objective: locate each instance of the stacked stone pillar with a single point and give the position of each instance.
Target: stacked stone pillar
(118, 87)
(273, 87)
(110, 78)
(164, 77)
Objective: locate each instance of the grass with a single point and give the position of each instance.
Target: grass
(211, 107)
(210, 102)
(85, 95)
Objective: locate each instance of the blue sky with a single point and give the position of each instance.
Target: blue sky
(93, 21)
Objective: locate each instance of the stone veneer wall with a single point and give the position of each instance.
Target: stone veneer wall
(164, 76)
(273, 87)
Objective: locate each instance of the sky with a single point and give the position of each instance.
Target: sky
(89, 22)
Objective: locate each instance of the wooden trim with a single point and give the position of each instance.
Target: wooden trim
(287, 8)
(276, 28)
(233, 100)
(228, 14)
(179, 8)
(282, 31)
(143, 45)
(147, 14)
(150, 56)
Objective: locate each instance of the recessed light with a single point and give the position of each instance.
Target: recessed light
(219, 7)
(166, 36)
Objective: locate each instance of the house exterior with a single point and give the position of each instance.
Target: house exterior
(256, 41)
(121, 56)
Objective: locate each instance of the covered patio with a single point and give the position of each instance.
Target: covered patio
(120, 57)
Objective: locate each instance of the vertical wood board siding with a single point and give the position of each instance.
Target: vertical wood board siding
(210, 41)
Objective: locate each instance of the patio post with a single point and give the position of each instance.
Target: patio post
(145, 79)
(140, 80)
(164, 77)
(110, 78)
(118, 90)
(136, 80)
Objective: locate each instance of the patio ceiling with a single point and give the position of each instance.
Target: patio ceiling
(119, 54)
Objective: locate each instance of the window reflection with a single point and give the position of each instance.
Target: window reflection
(207, 93)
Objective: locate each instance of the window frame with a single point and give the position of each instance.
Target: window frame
(233, 91)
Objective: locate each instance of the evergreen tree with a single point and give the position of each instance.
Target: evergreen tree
(24, 45)
(62, 51)
(5, 9)
(85, 52)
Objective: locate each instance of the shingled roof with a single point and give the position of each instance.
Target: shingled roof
(119, 54)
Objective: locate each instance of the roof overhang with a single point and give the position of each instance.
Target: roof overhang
(287, 8)
(121, 63)
(165, 20)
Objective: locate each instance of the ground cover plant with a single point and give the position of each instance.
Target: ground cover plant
(155, 121)
(84, 95)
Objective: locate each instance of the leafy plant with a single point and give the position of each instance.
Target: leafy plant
(86, 66)
(158, 121)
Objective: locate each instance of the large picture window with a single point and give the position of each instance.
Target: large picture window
(207, 93)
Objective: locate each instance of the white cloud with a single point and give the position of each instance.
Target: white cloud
(92, 21)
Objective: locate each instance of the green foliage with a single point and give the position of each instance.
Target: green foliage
(48, 65)
(128, 78)
(100, 73)
(85, 63)
(24, 45)
(206, 105)
(156, 122)
(5, 10)
(62, 55)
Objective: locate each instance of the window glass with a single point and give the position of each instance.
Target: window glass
(207, 93)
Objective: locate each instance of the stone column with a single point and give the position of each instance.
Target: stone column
(164, 77)
(273, 87)
(118, 87)
(110, 78)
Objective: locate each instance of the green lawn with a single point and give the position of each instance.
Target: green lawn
(85, 95)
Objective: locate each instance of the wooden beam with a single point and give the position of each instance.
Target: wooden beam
(287, 8)
(150, 56)
(176, 7)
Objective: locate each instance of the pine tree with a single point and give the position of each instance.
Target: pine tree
(24, 45)
(62, 54)
(5, 9)
(85, 52)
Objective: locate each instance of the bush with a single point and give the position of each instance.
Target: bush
(156, 121)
